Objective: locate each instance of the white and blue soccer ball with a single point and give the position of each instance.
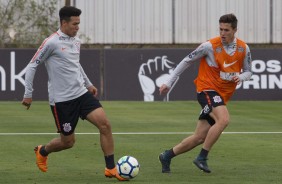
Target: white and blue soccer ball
(128, 167)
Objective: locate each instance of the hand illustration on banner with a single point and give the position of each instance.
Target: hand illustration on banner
(153, 74)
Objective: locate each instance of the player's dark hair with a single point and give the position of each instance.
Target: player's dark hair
(229, 18)
(67, 12)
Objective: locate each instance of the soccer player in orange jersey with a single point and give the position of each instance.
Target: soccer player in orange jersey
(225, 61)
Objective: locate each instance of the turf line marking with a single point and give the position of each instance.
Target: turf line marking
(141, 133)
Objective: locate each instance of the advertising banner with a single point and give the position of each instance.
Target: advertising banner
(136, 74)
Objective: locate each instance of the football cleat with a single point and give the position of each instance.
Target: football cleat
(202, 164)
(110, 173)
(41, 161)
(165, 163)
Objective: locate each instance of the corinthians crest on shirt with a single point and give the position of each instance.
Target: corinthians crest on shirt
(241, 49)
(218, 49)
(67, 127)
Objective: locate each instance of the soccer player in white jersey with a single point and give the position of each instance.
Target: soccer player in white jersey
(71, 94)
(224, 61)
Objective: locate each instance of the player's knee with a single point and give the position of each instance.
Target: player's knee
(68, 144)
(200, 139)
(225, 121)
(222, 123)
(105, 127)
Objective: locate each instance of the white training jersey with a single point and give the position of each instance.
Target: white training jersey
(66, 79)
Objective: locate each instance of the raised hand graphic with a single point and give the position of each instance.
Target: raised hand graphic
(153, 74)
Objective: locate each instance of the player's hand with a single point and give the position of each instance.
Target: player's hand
(27, 102)
(236, 79)
(93, 90)
(164, 89)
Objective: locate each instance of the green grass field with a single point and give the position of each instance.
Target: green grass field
(249, 151)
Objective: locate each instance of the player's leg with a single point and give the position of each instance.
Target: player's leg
(61, 143)
(66, 117)
(194, 140)
(185, 145)
(92, 111)
(62, 112)
(221, 116)
(215, 112)
(99, 119)
(58, 144)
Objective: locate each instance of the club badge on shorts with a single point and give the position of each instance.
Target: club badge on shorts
(67, 127)
(217, 99)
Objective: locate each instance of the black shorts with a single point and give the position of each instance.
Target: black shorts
(208, 100)
(66, 114)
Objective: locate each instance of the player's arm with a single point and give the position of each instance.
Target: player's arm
(247, 68)
(200, 52)
(40, 56)
(87, 83)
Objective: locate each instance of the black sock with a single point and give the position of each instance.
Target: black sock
(110, 161)
(169, 154)
(43, 151)
(203, 154)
